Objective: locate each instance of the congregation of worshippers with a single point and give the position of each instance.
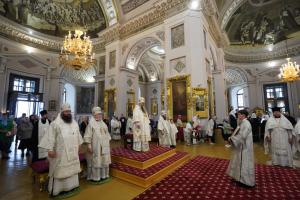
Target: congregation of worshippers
(62, 139)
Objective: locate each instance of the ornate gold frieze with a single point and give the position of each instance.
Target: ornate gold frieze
(181, 85)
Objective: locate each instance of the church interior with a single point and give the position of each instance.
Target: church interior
(192, 61)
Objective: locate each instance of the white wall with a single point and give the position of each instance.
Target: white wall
(71, 96)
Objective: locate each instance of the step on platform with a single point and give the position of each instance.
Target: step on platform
(152, 174)
(141, 160)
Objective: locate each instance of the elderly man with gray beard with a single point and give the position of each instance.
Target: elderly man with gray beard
(62, 142)
(98, 156)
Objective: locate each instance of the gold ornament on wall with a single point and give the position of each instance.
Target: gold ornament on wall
(179, 97)
(200, 102)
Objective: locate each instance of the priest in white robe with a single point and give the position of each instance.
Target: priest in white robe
(164, 130)
(62, 142)
(115, 125)
(98, 156)
(39, 130)
(279, 139)
(297, 140)
(173, 133)
(141, 127)
(129, 125)
(241, 166)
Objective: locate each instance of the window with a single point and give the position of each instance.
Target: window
(240, 99)
(18, 84)
(204, 38)
(23, 84)
(276, 96)
(65, 95)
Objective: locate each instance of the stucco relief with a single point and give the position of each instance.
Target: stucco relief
(178, 64)
(131, 5)
(129, 82)
(112, 82)
(161, 35)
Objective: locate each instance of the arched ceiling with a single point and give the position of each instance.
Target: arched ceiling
(234, 77)
(79, 76)
(263, 22)
(56, 17)
(150, 65)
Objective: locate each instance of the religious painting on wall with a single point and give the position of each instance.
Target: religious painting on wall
(130, 102)
(177, 36)
(101, 69)
(258, 23)
(154, 106)
(200, 102)
(109, 102)
(112, 59)
(85, 99)
(56, 17)
(179, 97)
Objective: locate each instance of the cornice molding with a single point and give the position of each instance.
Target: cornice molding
(250, 55)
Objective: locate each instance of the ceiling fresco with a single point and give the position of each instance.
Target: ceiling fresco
(263, 22)
(56, 17)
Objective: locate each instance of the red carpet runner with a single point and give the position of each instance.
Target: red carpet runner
(205, 178)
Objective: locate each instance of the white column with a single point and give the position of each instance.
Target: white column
(3, 76)
(220, 97)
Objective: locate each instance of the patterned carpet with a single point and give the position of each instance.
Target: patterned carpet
(205, 178)
(139, 156)
(145, 173)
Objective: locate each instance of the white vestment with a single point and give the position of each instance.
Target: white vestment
(42, 130)
(173, 134)
(210, 127)
(241, 166)
(279, 130)
(129, 126)
(164, 132)
(64, 139)
(115, 129)
(297, 134)
(97, 135)
(188, 133)
(141, 130)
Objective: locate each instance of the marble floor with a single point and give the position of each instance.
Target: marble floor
(16, 182)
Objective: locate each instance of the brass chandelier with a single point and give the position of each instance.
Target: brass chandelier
(289, 71)
(76, 51)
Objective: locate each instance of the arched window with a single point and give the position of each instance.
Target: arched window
(240, 99)
(65, 95)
